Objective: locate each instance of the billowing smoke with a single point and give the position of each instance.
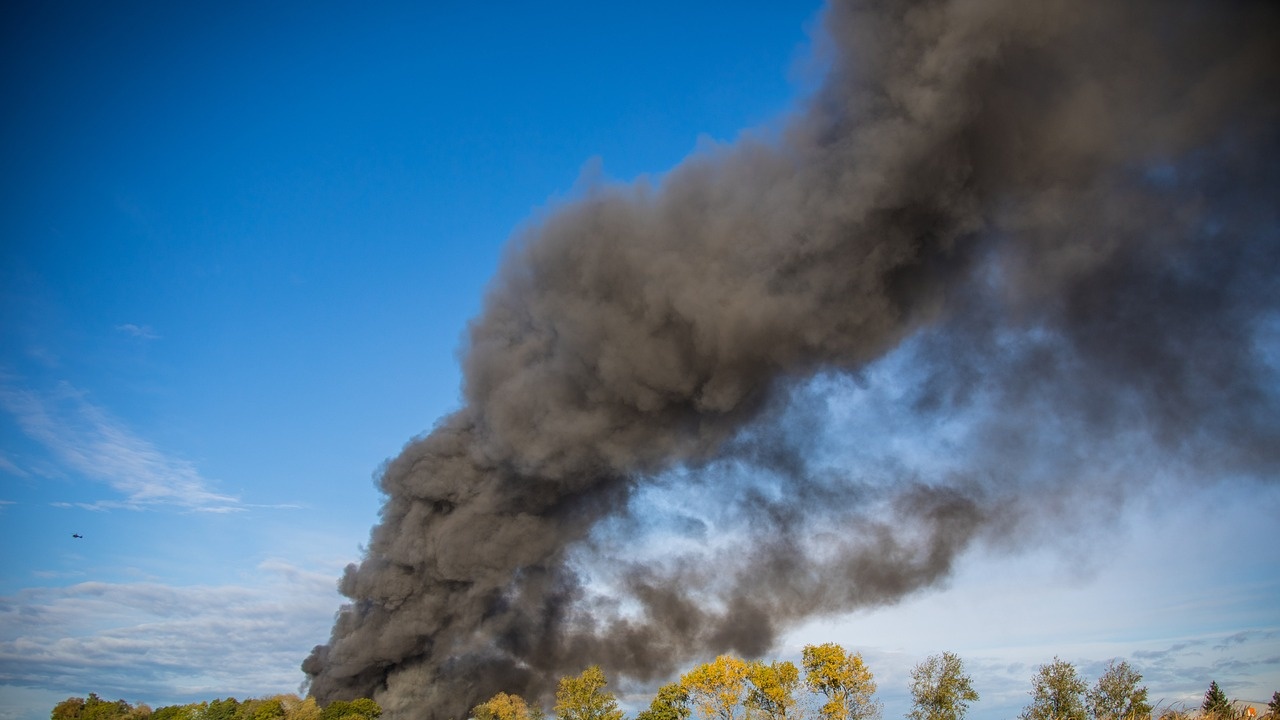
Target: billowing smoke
(1042, 236)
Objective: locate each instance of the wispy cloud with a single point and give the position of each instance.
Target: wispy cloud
(8, 466)
(143, 332)
(160, 643)
(85, 439)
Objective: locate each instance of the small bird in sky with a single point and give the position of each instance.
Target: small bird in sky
(77, 535)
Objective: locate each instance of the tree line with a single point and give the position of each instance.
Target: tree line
(830, 684)
(833, 684)
(275, 707)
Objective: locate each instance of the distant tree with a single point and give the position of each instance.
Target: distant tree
(301, 710)
(167, 712)
(940, 689)
(221, 709)
(249, 707)
(358, 709)
(70, 709)
(716, 689)
(1057, 693)
(772, 690)
(584, 697)
(96, 708)
(843, 679)
(1117, 695)
(178, 712)
(269, 709)
(1215, 703)
(503, 707)
(671, 703)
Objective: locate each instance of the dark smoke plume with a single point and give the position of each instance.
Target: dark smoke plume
(1052, 224)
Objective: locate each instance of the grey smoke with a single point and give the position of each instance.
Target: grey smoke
(1058, 221)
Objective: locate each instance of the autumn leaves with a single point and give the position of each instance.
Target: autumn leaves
(727, 688)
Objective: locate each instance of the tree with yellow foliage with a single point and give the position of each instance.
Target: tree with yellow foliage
(670, 703)
(716, 688)
(504, 707)
(843, 679)
(772, 692)
(583, 697)
(299, 709)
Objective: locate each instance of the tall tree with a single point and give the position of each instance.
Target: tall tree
(670, 703)
(1215, 703)
(843, 679)
(1057, 693)
(716, 688)
(940, 689)
(772, 690)
(584, 697)
(1117, 696)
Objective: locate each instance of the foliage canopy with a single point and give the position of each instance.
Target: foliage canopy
(1117, 695)
(1057, 693)
(584, 698)
(716, 688)
(843, 679)
(940, 689)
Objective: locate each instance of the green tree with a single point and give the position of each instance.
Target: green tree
(168, 712)
(178, 712)
(358, 709)
(221, 709)
(940, 689)
(96, 708)
(671, 703)
(1215, 703)
(70, 709)
(1117, 695)
(716, 688)
(843, 679)
(503, 707)
(772, 690)
(271, 709)
(1057, 693)
(584, 697)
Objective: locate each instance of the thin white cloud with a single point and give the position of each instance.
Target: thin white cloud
(142, 332)
(159, 643)
(10, 467)
(84, 439)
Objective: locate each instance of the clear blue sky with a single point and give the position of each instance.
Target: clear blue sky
(241, 243)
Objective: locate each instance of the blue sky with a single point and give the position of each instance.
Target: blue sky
(241, 245)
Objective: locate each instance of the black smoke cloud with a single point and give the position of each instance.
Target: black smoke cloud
(1058, 219)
